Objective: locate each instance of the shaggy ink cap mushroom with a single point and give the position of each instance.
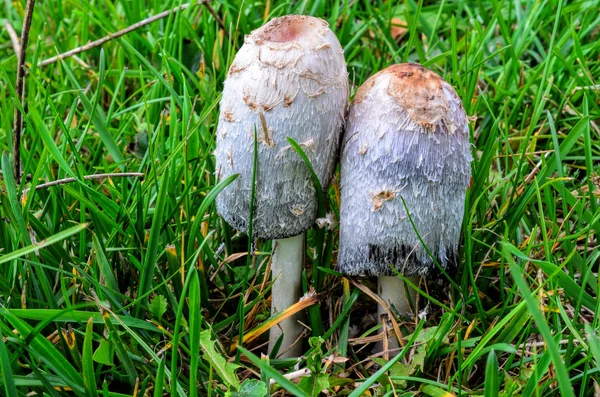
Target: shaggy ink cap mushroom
(289, 79)
(407, 136)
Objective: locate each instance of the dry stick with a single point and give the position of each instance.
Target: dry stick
(20, 88)
(13, 37)
(86, 177)
(294, 375)
(120, 33)
(217, 18)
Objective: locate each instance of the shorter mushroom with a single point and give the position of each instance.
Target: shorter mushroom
(405, 156)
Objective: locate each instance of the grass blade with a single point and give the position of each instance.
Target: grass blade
(160, 378)
(44, 243)
(149, 263)
(7, 374)
(89, 377)
(492, 381)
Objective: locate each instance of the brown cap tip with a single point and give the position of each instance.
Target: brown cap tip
(289, 28)
(416, 89)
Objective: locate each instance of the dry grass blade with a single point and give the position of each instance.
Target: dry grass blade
(381, 302)
(308, 300)
(14, 39)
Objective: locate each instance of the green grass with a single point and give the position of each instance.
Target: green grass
(135, 284)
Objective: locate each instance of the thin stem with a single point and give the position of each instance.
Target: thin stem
(122, 32)
(86, 177)
(20, 88)
(217, 18)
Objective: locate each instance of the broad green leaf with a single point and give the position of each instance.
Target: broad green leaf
(314, 384)
(225, 370)
(249, 388)
(105, 353)
(435, 391)
(399, 369)
(158, 306)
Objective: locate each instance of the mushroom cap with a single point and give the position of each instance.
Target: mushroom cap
(289, 79)
(407, 137)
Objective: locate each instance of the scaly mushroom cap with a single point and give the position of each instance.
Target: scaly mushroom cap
(407, 136)
(289, 79)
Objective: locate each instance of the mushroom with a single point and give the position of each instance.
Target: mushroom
(406, 146)
(289, 79)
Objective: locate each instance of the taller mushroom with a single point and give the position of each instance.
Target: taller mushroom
(407, 138)
(289, 79)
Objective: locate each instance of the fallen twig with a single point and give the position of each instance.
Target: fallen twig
(13, 37)
(121, 32)
(20, 88)
(86, 177)
(217, 18)
(294, 375)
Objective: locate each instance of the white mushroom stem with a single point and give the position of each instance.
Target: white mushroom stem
(286, 271)
(393, 291)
